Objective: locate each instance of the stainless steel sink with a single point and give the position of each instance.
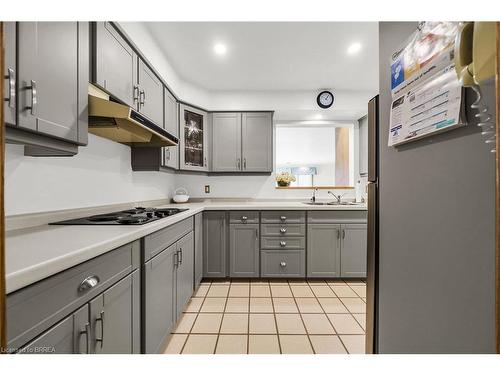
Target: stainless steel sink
(317, 203)
(332, 203)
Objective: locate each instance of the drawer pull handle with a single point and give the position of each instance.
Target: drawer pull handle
(282, 243)
(244, 218)
(283, 230)
(282, 264)
(89, 283)
(34, 102)
(282, 218)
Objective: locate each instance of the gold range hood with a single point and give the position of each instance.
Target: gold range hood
(121, 123)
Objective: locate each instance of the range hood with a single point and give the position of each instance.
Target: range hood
(123, 124)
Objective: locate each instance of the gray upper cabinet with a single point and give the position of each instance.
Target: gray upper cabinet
(244, 250)
(256, 142)
(70, 336)
(354, 242)
(193, 139)
(171, 124)
(323, 250)
(150, 94)
(115, 324)
(158, 298)
(51, 86)
(185, 271)
(214, 244)
(226, 133)
(198, 249)
(115, 64)
(10, 90)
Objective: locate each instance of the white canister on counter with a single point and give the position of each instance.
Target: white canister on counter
(359, 193)
(181, 195)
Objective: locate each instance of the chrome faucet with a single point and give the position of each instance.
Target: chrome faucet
(313, 198)
(337, 197)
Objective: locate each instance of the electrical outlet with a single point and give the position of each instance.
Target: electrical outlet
(207, 189)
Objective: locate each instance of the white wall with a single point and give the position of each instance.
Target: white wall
(99, 174)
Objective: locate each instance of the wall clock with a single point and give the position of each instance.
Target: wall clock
(325, 99)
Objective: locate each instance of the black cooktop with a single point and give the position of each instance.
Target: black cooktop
(134, 216)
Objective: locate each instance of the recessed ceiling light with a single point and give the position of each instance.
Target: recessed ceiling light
(354, 48)
(220, 49)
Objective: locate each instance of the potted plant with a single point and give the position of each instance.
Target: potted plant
(284, 179)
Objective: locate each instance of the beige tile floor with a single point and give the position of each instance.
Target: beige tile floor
(273, 317)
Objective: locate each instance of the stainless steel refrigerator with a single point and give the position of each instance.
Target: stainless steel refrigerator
(431, 237)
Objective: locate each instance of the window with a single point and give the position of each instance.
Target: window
(315, 155)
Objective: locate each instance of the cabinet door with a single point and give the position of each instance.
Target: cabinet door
(244, 250)
(198, 249)
(323, 250)
(226, 136)
(150, 94)
(10, 91)
(115, 68)
(193, 139)
(113, 318)
(70, 336)
(159, 299)
(185, 271)
(256, 142)
(48, 78)
(214, 244)
(354, 242)
(171, 154)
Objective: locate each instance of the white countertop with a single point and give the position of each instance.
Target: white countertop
(33, 254)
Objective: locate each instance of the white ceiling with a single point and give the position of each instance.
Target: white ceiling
(271, 56)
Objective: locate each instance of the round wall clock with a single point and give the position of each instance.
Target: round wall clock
(325, 99)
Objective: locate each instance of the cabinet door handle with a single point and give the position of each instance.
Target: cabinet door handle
(86, 332)
(244, 163)
(282, 264)
(176, 259)
(180, 258)
(136, 93)
(283, 230)
(101, 320)
(33, 105)
(11, 78)
(238, 163)
(256, 233)
(205, 161)
(88, 283)
(343, 233)
(282, 243)
(142, 97)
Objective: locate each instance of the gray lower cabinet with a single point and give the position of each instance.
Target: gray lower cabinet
(198, 249)
(10, 91)
(184, 272)
(323, 250)
(114, 64)
(214, 244)
(244, 250)
(257, 142)
(70, 336)
(353, 256)
(150, 94)
(158, 299)
(115, 323)
(226, 145)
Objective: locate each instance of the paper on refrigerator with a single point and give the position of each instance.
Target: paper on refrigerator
(428, 108)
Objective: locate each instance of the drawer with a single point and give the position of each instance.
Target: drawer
(283, 243)
(337, 217)
(160, 240)
(283, 263)
(32, 310)
(243, 217)
(283, 230)
(283, 217)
